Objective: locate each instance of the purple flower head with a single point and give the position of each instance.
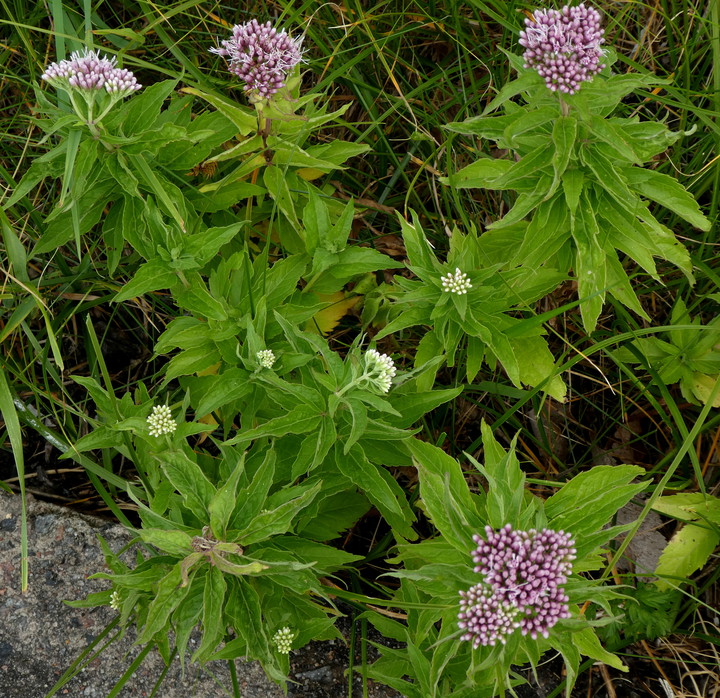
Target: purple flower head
(522, 587)
(564, 46)
(89, 71)
(261, 56)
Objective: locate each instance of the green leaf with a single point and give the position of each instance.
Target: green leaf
(279, 520)
(563, 135)
(223, 501)
(189, 480)
(172, 542)
(333, 515)
(538, 159)
(530, 121)
(186, 617)
(610, 179)
(590, 265)
(316, 220)
(195, 360)
(686, 552)
(151, 276)
(536, 364)
(276, 181)
(359, 417)
(590, 500)
(141, 112)
(202, 247)
(445, 494)
(198, 300)
(573, 181)
(157, 186)
(481, 174)
(221, 389)
(245, 120)
(418, 249)
(412, 406)
(166, 599)
(588, 644)
(377, 488)
(300, 420)
(668, 192)
(506, 481)
(213, 624)
(690, 506)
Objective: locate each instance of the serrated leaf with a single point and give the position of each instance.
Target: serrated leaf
(445, 494)
(151, 276)
(481, 174)
(669, 193)
(703, 387)
(166, 599)
(212, 615)
(377, 488)
(588, 502)
(686, 552)
(300, 420)
(172, 542)
(244, 119)
(189, 480)
(588, 644)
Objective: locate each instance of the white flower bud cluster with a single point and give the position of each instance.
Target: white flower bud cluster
(283, 639)
(379, 369)
(266, 358)
(459, 282)
(161, 421)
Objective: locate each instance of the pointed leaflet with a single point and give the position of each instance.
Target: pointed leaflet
(279, 520)
(590, 265)
(668, 192)
(189, 480)
(380, 488)
(564, 135)
(419, 252)
(686, 552)
(152, 276)
(445, 494)
(590, 500)
(166, 599)
(223, 502)
(301, 420)
(212, 616)
(506, 481)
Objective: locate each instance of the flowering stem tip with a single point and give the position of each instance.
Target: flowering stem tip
(522, 586)
(88, 70)
(564, 46)
(459, 282)
(260, 56)
(160, 421)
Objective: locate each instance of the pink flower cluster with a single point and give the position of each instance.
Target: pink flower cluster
(564, 46)
(88, 70)
(260, 56)
(524, 572)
